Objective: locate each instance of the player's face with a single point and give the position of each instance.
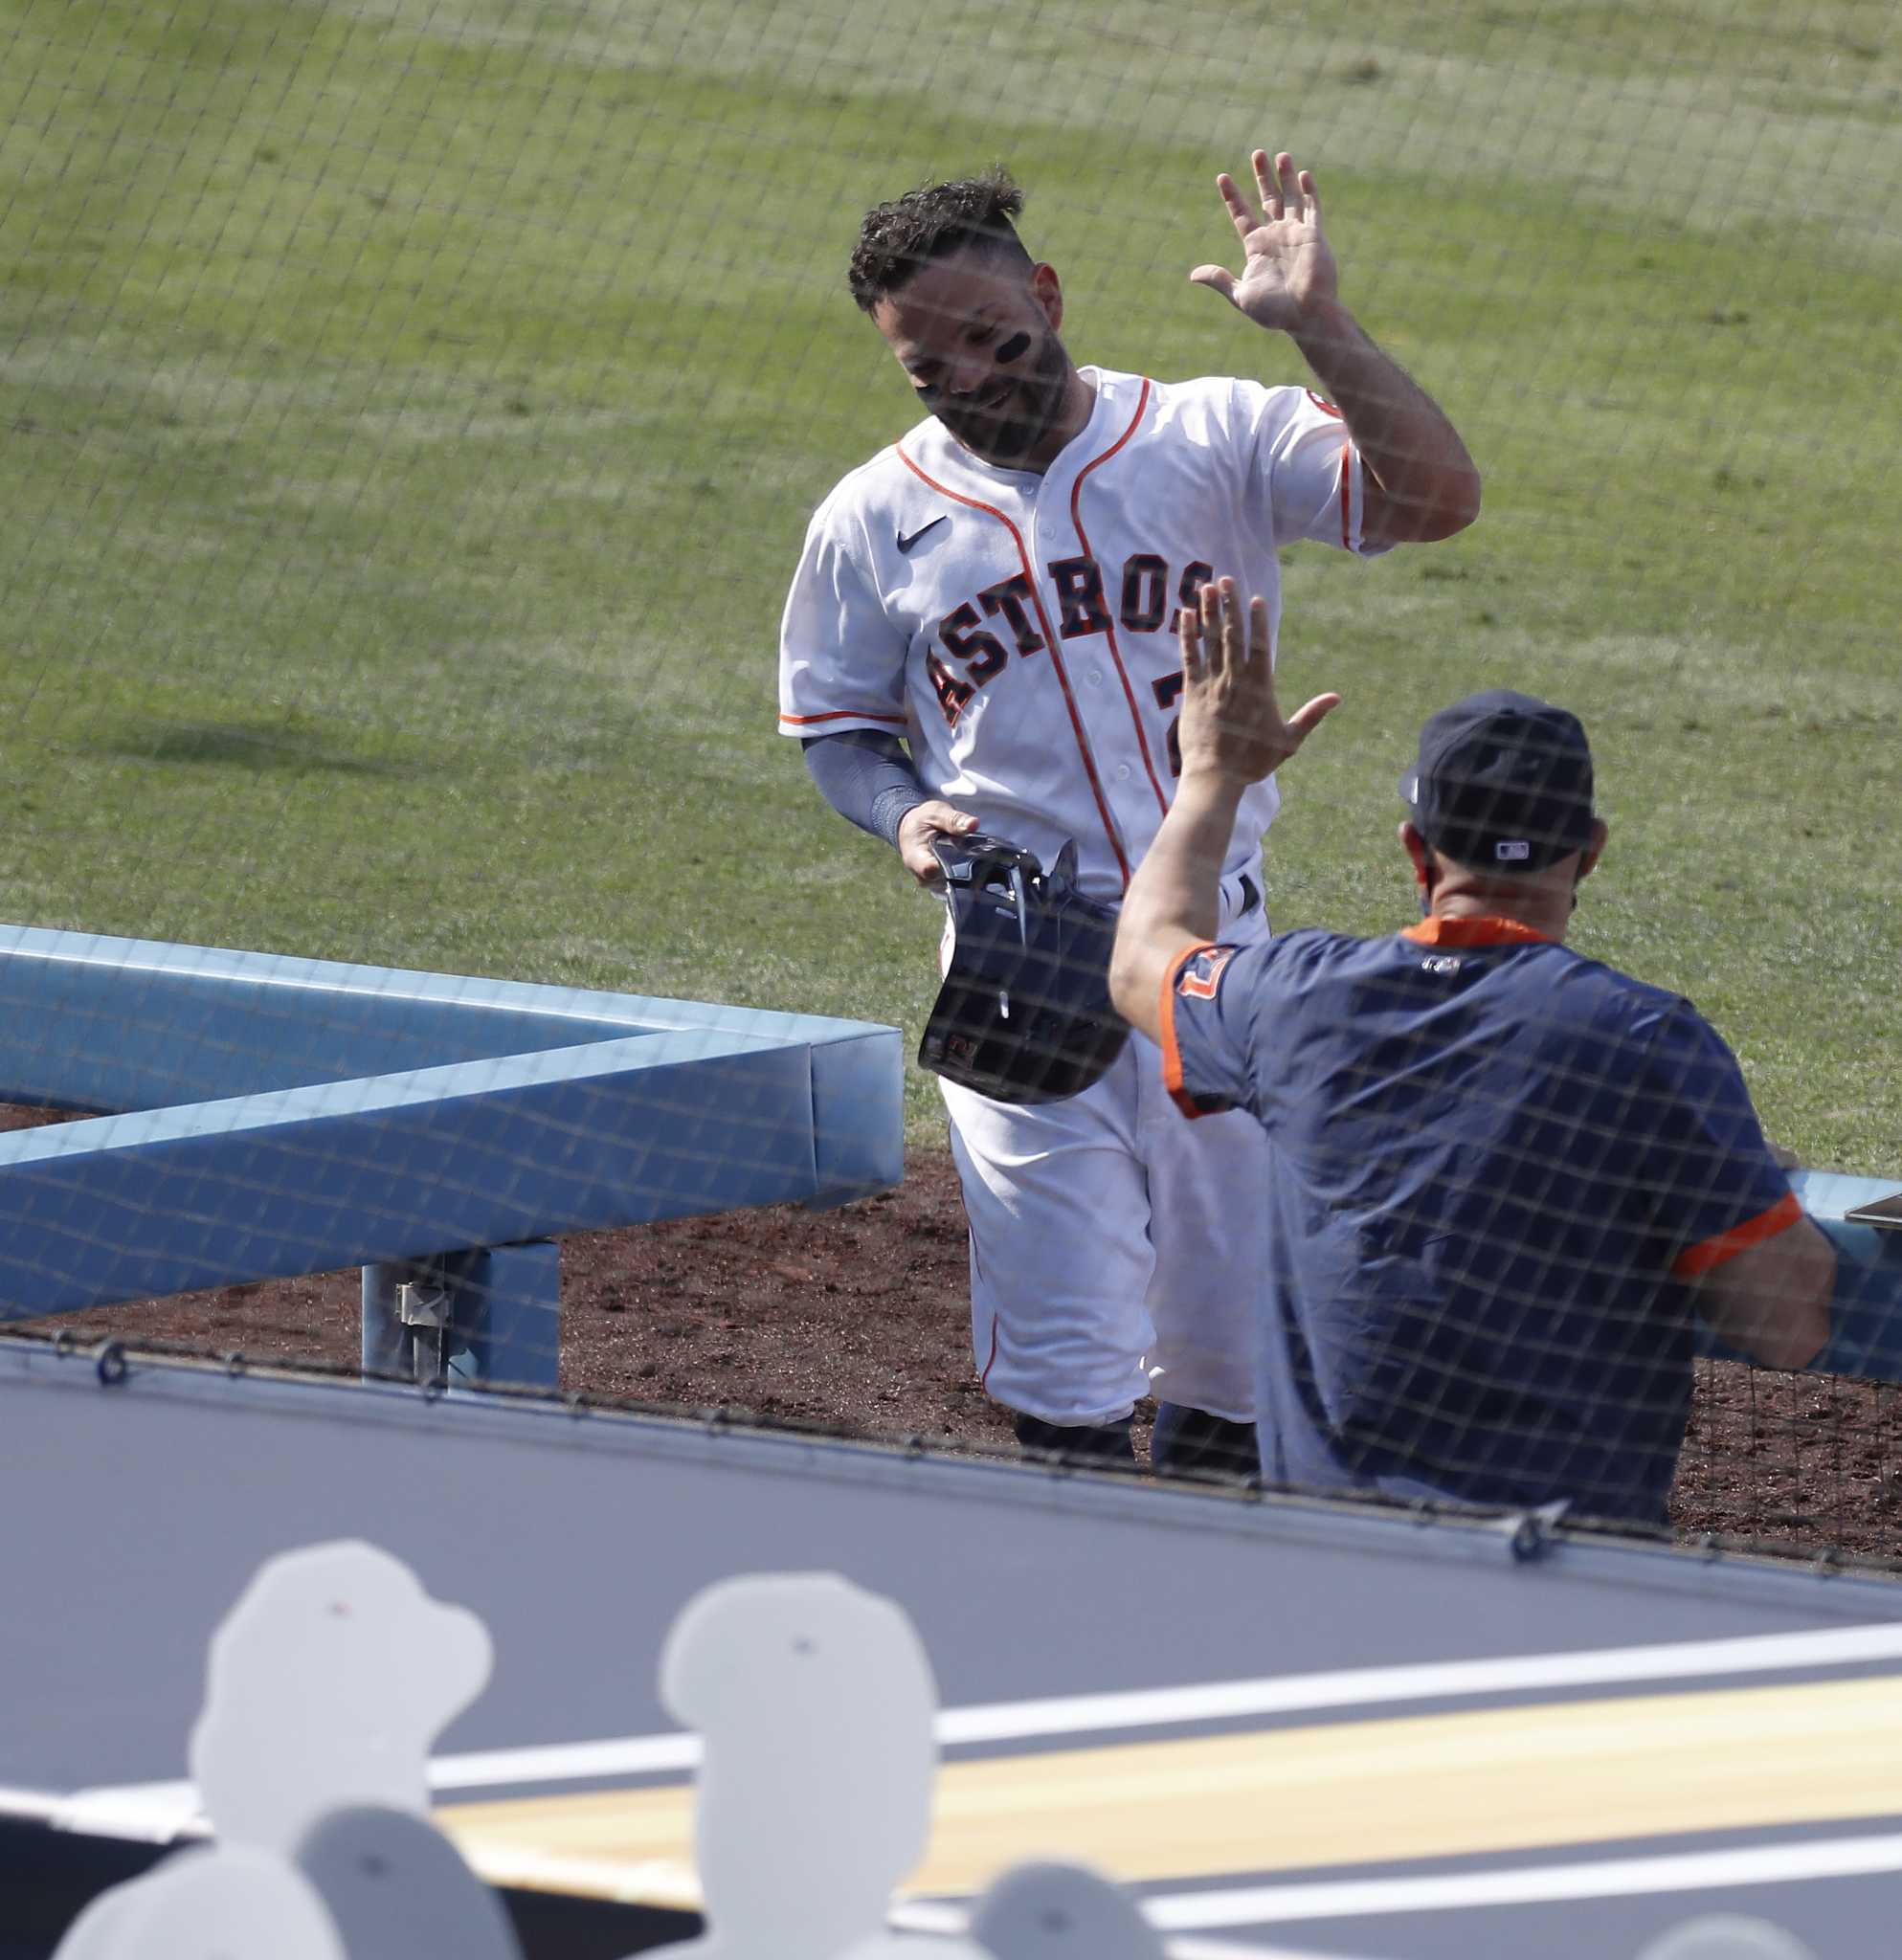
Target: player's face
(977, 335)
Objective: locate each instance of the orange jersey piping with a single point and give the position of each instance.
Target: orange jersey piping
(1481, 931)
(1695, 1261)
(845, 715)
(1171, 1054)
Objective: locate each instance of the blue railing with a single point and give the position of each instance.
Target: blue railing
(275, 1116)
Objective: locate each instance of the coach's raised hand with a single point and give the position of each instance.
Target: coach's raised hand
(1288, 266)
(1232, 734)
(1231, 729)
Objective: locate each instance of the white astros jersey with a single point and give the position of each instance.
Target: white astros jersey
(1019, 630)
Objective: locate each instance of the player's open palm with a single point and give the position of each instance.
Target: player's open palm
(1232, 726)
(1288, 266)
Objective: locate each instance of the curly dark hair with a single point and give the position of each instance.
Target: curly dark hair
(899, 239)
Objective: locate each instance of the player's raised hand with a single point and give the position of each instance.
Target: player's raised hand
(1288, 266)
(916, 829)
(1231, 724)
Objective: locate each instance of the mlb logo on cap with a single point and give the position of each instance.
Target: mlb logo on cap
(1502, 779)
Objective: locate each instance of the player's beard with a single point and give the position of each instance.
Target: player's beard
(1007, 428)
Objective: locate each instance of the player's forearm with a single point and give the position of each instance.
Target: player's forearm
(1430, 484)
(867, 778)
(1174, 899)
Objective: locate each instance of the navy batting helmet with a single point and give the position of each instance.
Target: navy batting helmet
(1023, 1014)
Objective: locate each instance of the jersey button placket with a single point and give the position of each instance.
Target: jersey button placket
(1040, 485)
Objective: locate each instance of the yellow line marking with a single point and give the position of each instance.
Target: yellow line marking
(1339, 1794)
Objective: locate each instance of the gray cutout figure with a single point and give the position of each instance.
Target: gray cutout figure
(325, 1686)
(1727, 1936)
(214, 1902)
(1049, 1911)
(816, 1705)
(397, 1890)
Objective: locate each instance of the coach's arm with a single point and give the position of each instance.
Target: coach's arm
(1232, 735)
(1770, 1301)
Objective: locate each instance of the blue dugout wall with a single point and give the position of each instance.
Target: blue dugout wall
(264, 1116)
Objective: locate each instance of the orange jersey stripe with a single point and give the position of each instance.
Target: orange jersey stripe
(1480, 931)
(1697, 1260)
(845, 715)
(1171, 1054)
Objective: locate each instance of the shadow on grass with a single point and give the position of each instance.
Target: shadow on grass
(260, 748)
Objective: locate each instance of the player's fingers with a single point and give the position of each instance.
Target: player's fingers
(1238, 205)
(932, 819)
(1313, 197)
(916, 829)
(1289, 186)
(917, 856)
(1310, 715)
(1266, 183)
(1216, 275)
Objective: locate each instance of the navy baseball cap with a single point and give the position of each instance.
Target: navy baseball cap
(1502, 782)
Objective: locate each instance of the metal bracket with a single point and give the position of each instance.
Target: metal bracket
(423, 1303)
(460, 1319)
(1529, 1533)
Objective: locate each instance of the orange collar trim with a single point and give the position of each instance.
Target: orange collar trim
(1474, 932)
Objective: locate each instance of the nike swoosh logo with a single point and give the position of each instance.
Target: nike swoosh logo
(906, 543)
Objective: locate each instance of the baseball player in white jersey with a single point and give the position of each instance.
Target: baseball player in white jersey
(982, 633)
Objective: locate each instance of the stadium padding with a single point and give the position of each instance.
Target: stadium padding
(279, 1116)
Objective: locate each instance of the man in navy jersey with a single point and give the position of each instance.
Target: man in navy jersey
(1504, 1176)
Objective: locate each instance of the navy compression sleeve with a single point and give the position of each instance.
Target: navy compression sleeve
(867, 777)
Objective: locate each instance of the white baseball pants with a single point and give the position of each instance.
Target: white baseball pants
(1116, 1247)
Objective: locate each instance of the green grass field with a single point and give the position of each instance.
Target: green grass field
(410, 414)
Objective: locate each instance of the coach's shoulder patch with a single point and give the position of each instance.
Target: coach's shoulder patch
(1200, 976)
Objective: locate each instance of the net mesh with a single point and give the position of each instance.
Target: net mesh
(410, 415)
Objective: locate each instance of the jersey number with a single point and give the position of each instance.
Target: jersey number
(1168, 691)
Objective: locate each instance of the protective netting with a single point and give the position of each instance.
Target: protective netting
(409, 417)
